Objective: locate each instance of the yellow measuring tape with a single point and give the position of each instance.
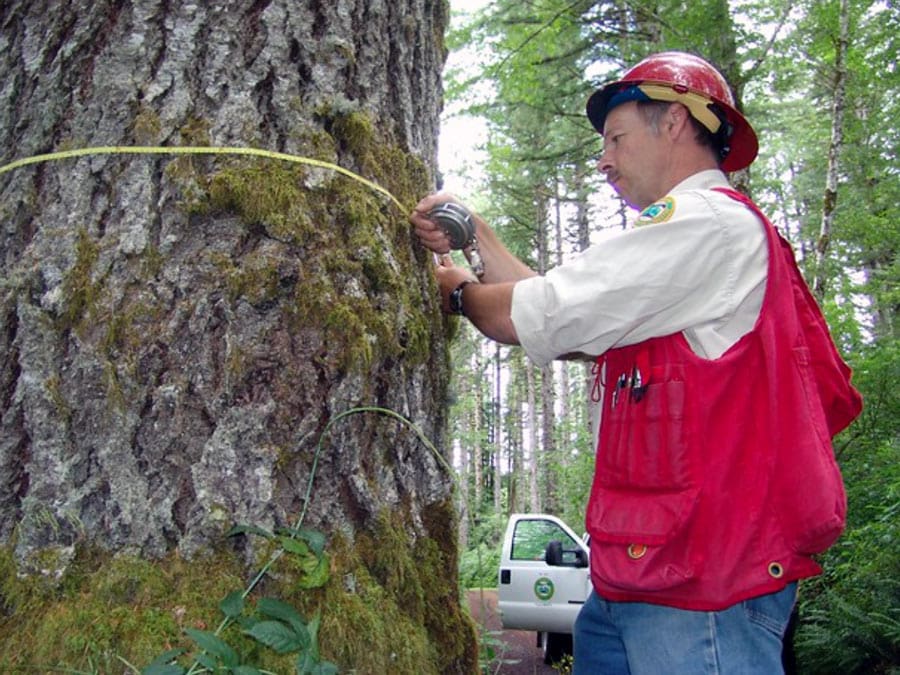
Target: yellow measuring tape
(198, 150)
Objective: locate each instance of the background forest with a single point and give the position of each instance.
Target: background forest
(820, 83)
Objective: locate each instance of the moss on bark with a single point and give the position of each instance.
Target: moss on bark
(388, 606)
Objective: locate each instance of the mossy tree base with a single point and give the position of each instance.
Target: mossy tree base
(388, 607)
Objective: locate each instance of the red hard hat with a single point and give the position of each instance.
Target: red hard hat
(687, 79)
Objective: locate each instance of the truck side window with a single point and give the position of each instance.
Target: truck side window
(532, 536)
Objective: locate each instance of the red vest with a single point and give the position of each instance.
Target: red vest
(715, 479)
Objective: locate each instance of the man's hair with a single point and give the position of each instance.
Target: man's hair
(653, 111)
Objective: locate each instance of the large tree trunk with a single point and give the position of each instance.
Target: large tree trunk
(178, 332)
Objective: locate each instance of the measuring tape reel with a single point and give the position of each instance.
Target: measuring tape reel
(459, 226)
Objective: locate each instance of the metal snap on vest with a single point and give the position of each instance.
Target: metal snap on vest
(636, 551)
(776, 571)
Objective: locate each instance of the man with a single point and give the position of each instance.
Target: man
(718, 386)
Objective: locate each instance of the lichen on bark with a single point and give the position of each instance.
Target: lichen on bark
(177, 333)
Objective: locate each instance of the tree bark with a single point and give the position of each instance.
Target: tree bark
(497, 441)
(829, 200)
(516, 415)
(532, 456)
(178, 332)
(478, 427)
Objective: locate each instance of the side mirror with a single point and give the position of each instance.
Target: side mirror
(555, 556)
(581, 559)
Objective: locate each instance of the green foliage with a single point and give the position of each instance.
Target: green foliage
(850, 616)
(574, 483)
(106, 612)
(480, 562)
(856, 604)
(478, 566)
(122, 609)
(274, 624)
(539, 62)
(492, 652)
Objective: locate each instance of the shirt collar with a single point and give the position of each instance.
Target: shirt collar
(663, 209)
(702, 180)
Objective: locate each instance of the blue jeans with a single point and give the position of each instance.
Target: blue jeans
(633, 638)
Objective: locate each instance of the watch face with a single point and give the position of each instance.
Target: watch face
(455, 304)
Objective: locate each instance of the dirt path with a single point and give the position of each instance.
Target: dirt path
(515, 651)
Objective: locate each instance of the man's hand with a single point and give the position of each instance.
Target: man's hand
(449, 276)
(428, 232)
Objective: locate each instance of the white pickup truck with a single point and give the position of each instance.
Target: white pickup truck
(544, 580)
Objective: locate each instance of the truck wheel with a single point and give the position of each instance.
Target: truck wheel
(555, 646)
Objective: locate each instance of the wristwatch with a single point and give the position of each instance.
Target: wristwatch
(455, 299)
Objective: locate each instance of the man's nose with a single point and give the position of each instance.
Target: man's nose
(604, 164)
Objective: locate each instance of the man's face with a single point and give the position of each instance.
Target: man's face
(634, 156)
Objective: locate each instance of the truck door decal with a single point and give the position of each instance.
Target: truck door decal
(543, 588)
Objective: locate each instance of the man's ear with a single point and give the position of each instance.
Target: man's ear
(677, 118)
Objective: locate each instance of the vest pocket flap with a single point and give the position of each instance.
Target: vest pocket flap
(641, 544)
(649, 519)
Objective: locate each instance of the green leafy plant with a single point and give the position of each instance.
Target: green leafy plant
(565, 666)
(271, 623)
(478, 566)
(492, 651)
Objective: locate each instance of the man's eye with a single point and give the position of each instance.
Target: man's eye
(610, 142)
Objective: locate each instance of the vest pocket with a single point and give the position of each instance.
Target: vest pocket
(645, 490)
(812, 501)
(644, 443)
(640, 542)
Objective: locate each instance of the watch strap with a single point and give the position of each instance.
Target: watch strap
(456, 298)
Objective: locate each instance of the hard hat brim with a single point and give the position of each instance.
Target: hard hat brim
(742, 142)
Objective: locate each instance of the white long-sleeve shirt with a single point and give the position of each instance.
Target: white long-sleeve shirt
(695, 262)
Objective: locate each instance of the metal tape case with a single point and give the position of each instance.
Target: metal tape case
(456, 222)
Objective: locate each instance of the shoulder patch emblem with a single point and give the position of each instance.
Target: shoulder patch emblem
(658, 212)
